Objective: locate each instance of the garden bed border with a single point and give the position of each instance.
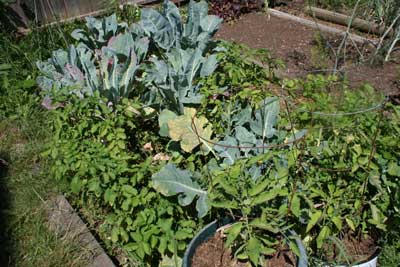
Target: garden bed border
(64, 221)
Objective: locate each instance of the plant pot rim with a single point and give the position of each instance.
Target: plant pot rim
(365, 263)
(202, 236)
(205, 233)
(209, 230)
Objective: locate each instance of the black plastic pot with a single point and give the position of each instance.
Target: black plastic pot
(201, 237)
(210, 229)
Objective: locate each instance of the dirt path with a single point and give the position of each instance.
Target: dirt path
(295, 44)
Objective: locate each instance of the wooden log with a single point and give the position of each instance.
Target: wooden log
(359, 24)
(319, 26)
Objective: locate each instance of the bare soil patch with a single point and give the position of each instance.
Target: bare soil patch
(356, 249)
(295, 45)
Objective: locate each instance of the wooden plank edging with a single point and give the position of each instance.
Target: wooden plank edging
(342, 19)
(319, 26)
(63, 220)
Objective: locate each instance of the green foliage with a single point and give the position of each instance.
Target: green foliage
(390, 253)
(167, 29)
(349, 164)
(16, 99)
(84, 70)
(260, 202)
(98, 31)
(109, 54)
(25, 181)
(92, 149)
(172, 80)
(341, 179)
(242, 67)
(171, 181)
(243, 76)
(251, 132)
(173, 77)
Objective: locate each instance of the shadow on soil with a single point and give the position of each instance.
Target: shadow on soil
(5, 241)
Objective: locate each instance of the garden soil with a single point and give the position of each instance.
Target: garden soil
(296, 45)
(213, 254)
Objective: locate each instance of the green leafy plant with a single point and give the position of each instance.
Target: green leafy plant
(343, 169)
(112, 71)
(92, 150)
(109, 54)
(245, 181)
(169, 31)
(171, 181)
(172, 81)
(260, 206)
(98, 31)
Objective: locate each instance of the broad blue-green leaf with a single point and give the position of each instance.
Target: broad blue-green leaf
(227, 150)
(210, 24)
(196, 11)
(244, 137)
(122, 44)
(266, 118)
(296, 136)
(208, 66)
(99, 31)
(244, 116)
(171, 181)
(171, 13)
(158, 27)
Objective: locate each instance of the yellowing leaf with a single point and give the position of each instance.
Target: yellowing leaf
(350, 223)
(190, 130)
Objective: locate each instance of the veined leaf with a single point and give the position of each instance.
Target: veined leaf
(313, 220)
(338, 222)
(233, 233)
(323, 235)
(266, 118)
(254, 248)
(295, 207)
(259, 187)
(171, 181)
(350, 223)
(189, 130)
(258, 223)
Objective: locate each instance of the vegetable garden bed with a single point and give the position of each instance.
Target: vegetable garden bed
(159, 129)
